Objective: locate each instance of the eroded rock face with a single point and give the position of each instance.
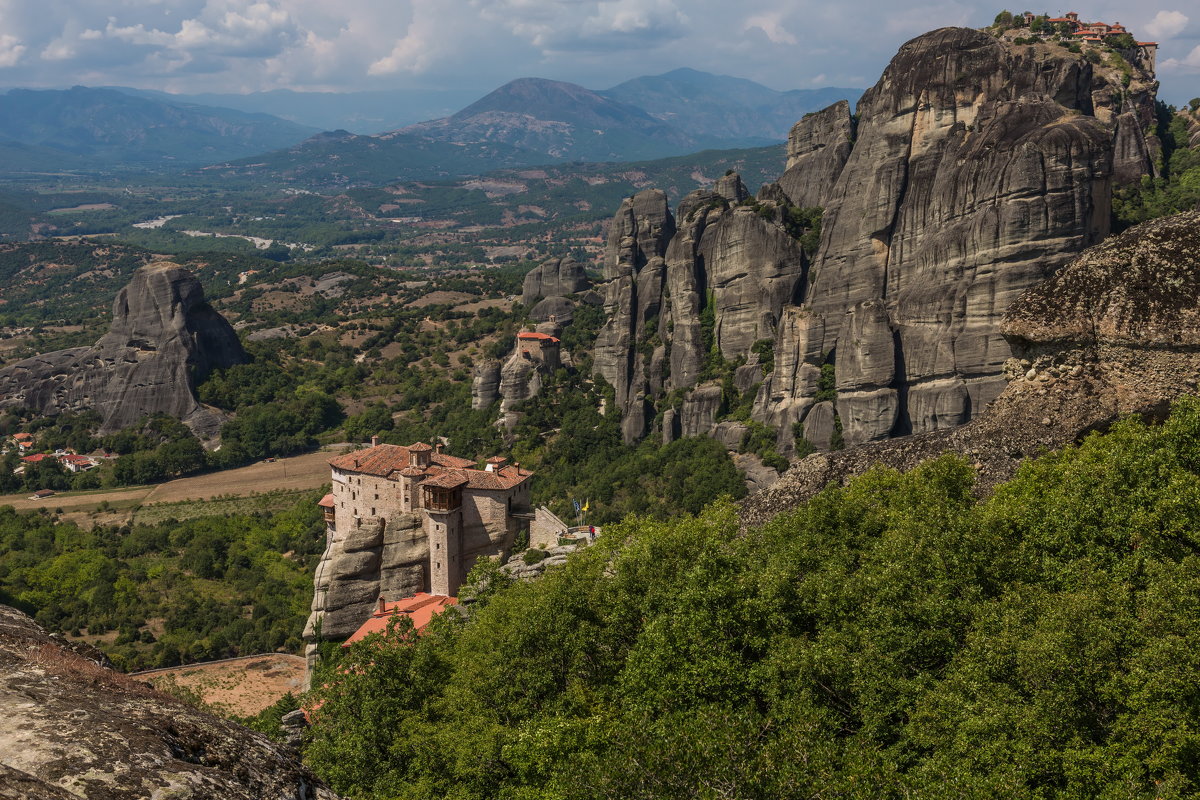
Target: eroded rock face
(358, 566)
(817, 149)
(163, 339)
(485, 385)
(73, 729)
(635, 272)
(1115, 332)
(554, 278)
(977, 168)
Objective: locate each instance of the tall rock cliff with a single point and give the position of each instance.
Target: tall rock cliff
(635, 271)
(164, 338)
(1115, 332)
(976, 167)
(557, 277)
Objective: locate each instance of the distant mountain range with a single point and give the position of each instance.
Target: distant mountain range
(101, 128)
(727, 108)
(735, 108)
(357, 112)
(526, 122)
(564, 121)
(533, 121)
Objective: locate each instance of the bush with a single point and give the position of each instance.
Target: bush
(533, 556)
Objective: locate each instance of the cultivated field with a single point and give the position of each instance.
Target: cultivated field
(298, 473)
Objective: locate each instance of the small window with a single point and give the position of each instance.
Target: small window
(372, 511)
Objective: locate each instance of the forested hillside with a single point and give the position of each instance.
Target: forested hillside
(895, 638)
(168, 593)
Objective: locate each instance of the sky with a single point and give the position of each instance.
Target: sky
(239, 46)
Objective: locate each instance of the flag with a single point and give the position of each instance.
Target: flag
(587, 504)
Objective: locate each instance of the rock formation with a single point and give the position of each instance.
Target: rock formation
(75, 729)
(485, 385)
(976, 168)
(817, 150)
(557, 277)
(535, 355)
(1115, 332)
(164, 338)
(635, 271)
(372, 560)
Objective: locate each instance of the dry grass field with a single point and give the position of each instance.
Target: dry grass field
(298, 473)
(242, 686)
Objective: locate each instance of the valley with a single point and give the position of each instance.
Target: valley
(687, 438)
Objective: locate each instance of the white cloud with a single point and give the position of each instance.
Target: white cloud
(58, 50)
(416, 50)
(772, 26)
(1167, 24)
(11, 50)
(1189, 64)
(248, 45)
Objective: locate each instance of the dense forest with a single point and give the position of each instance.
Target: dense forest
(898, 637)
(169, 593)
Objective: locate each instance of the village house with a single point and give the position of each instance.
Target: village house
(462, 513)
(72, 462)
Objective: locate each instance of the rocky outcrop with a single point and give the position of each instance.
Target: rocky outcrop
(817, 150)
(76, 729)
(635, 271)
(555, 556)
(164, 338)
(557, 277)
(358, 566)
(977, 167)
(520, 379)
(485, 385)
(553, 309)
(1116, 332)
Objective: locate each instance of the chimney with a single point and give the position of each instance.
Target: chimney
(374, 441)
(438, 448)
(382, 606)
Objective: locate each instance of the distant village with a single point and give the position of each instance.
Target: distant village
(24, 444)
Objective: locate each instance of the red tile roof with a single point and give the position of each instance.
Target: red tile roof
(542, 337)
(326, 501)
(419, 447)
(23, 437)
(497, 480)
(420, 608)
(450, 479)
(384, 459)
(36, 458)
(71, 458)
